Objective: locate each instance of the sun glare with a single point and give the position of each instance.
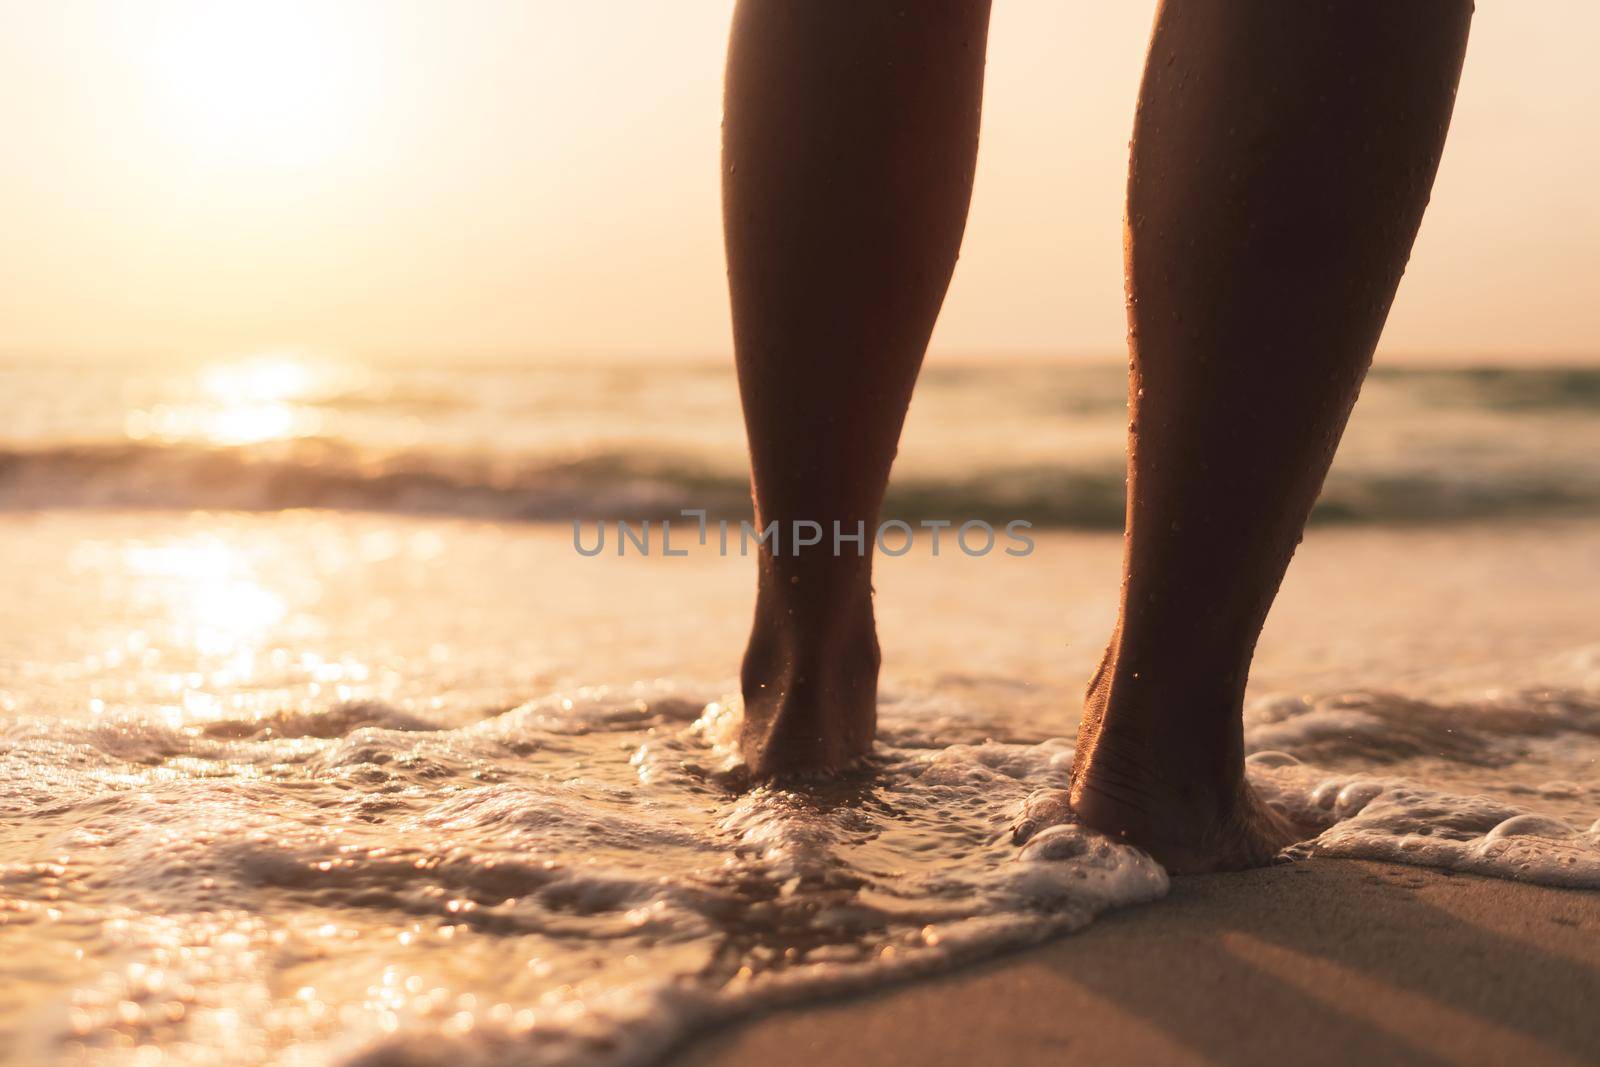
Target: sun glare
(268, 397)
(275, 84)
(262, 380)
(210, 591)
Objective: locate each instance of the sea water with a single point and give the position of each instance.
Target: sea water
(377, 784)
(991, 439)
(579, 880)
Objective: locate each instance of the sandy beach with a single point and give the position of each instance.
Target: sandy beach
(403, 402)
(298, 717)
(1322, 962)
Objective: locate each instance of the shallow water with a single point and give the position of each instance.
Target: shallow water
(570, 881)
(274, 792)
(567, 880)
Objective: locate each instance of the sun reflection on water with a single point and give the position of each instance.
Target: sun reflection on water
(210, 591)
(220, 620)
(269, 396)
(217, 623)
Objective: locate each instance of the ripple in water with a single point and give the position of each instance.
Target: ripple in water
(582, 880)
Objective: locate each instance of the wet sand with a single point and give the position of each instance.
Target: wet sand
(196, 620)
(1320, 962)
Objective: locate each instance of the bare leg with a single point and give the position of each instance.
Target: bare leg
(1282, 157)
(849, 141)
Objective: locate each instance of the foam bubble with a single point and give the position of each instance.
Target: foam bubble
(571, 881)
(578, 880)
(1398, 822)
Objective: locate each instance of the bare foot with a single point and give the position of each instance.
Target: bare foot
(1174, 786)
(810, 702)
(1184, 836)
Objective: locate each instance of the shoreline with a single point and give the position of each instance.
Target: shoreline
(1323, 961)
(166, 646)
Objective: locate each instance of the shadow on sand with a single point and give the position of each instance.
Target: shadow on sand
(1321, 962)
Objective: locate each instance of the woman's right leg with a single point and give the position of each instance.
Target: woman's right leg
(1282, 157)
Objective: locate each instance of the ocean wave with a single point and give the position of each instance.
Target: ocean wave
(637, 485)
(562, 883)
(578, 881)
(1499, 388)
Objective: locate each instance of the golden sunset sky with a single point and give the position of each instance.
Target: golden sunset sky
(531, 178)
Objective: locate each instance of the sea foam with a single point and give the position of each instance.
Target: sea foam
(583, 880)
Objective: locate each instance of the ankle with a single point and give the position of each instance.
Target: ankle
(810, 690)
(793, 653)
(1160, 764)
(809, 608)
(1107, 776)
(1138, 737)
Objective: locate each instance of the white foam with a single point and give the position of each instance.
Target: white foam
(575, 882)
(1403, 823)
(568, 882)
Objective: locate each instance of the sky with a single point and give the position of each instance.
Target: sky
(538, 179)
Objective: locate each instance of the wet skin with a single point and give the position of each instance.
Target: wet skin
(1283, 154)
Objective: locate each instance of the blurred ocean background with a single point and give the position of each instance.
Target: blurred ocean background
(557, 440)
